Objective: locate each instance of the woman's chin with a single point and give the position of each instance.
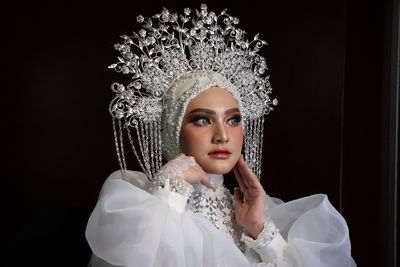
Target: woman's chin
(218, 167)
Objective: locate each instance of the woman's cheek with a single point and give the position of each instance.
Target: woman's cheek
(192, 137)
(237, 138)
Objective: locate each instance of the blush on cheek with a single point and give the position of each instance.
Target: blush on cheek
(237, 137)
(194, 135)
(189, 138)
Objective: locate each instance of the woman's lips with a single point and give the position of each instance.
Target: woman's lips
(220, 154)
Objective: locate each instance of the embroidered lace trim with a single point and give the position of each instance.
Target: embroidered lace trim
(170, 176)
(264, 238)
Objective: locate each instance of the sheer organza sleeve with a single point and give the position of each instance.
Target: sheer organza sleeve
(131, 227)
(311, 233)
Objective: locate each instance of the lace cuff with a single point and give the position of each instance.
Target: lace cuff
(269, 243)
(171, 183)
(170, 176)
(264, 238)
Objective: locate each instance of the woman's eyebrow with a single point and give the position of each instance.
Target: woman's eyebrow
(209, 111)
(232, 110)
(203, 110)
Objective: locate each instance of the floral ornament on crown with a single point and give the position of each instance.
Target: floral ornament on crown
(158, 54)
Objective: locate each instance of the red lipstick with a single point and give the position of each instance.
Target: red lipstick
(220, 154)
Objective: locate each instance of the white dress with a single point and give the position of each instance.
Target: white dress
(132, 227)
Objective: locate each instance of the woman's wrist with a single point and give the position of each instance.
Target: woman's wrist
(264, 238)
(170, 177)
(256, 228)
(171, 183)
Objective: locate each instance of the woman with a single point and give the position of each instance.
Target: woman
(198, 99)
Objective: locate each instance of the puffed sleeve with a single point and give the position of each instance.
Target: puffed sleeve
(311, 233)
(131, 227)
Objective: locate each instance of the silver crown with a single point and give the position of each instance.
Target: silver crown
(173, 45)
(157, 55)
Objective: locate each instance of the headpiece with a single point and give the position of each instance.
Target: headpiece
(172, 62)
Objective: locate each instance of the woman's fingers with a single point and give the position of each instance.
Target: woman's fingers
(206, 181)
(248, 176)
(239, 179)
(193, 172)
(242, 174)
(238, 196)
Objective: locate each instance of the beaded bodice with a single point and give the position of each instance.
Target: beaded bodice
(216, 206)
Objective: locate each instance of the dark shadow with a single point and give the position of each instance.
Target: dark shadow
(54, 239)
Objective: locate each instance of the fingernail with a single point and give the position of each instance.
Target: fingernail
(236, 188)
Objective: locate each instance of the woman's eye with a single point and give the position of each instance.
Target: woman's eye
(201, 121)
(234, 120)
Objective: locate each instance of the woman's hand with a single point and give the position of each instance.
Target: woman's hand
(250, 200)
(191, 172)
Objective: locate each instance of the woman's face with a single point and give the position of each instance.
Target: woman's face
(211, 130)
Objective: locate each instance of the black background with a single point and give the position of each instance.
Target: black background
(328, 135)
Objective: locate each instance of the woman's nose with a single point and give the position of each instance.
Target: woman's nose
(220, 134)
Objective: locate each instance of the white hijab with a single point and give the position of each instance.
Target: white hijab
(178, 96)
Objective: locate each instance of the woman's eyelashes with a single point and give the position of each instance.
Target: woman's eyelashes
(200, 121)
(205, 120)
(235, 120)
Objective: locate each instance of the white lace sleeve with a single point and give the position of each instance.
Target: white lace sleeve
(269, 244)
(172, 183)
(169, 185)
(170, 176)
